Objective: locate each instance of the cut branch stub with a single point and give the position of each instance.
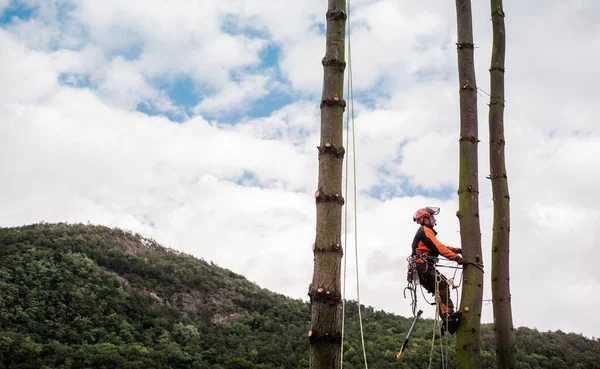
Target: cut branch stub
(329, 149)
(336, 15)
(338, 64)
(494, 100)
(467, 86)
(464, 45)
(324, 296)
(469, 189)
(333, 101)
(497, 69)
(336, 247)
(318, 337)
(468, 138)
(321, 197)
(499, 13)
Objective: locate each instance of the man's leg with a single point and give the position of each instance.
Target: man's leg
(446, 305)
(449, 317)
(427, 276)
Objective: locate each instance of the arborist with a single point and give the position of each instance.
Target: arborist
(425, 251)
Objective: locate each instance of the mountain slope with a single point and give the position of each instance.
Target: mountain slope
(81, 296)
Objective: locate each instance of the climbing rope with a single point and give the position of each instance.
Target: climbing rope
(435, 317)
(350, 119)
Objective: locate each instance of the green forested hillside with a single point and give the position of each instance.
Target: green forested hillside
(81, 296)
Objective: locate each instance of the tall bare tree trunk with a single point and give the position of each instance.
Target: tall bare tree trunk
(468, 334)
(325, 289)
(503, 326)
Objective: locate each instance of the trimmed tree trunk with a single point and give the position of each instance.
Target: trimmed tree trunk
(325, 289)
(503, 326)
(468, 334)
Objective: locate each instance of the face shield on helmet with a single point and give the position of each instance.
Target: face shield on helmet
(426, 212)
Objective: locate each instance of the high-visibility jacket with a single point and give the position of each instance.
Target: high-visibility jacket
(425, 243)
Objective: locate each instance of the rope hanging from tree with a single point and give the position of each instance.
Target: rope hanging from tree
(350, 126)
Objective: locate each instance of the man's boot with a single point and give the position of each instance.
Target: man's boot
(450, 321)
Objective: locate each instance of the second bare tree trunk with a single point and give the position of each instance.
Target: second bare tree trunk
(503, 326)
(325, 289)
(468, 334)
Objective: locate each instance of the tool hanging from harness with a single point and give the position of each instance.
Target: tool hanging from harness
(412, 277)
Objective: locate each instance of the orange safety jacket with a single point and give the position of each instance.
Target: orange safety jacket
(425, 243)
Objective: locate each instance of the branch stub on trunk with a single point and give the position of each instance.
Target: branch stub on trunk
(329, 149)
(464, 45)
(336, 15)
(331, 248)
(321, 197)
(333, 101)
(318, 337)
(468, 138)
(499, 13)
(324, 296)
(467, 86)
(336, 63)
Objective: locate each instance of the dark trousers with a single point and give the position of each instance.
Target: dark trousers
(428, 277)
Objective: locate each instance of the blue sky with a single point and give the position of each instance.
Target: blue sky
(16, 9)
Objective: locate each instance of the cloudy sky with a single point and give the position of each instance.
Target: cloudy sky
(196, 123)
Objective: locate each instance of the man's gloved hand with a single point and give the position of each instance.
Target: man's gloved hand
(459, 259)
(458, 250)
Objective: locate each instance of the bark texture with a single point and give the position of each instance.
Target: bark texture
(503, 325)
(325, 289)
(468, 334)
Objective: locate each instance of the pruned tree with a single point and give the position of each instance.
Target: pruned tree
(503, 325)
(325, 289)
(468, 334)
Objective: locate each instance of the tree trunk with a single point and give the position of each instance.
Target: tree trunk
(503, 326)
(468, 334)
(325, 289)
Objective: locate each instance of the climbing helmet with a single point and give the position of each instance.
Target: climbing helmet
(425, 212)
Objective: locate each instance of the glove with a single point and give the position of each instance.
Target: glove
(459, 260)
(458, 251)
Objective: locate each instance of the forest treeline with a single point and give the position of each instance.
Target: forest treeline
(84, 296)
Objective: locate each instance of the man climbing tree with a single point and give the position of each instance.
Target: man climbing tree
(425, 250)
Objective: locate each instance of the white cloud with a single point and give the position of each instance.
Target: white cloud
(183, 37)
(122, 84)
(4, 4)
(236, 95)
(29, 80)
(72, 153)
(285, 22)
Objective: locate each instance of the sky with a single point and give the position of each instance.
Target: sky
(196, 123)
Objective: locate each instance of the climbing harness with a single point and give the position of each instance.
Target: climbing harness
(412, 277)
(413, 281)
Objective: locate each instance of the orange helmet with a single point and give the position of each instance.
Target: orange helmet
(423, 213)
